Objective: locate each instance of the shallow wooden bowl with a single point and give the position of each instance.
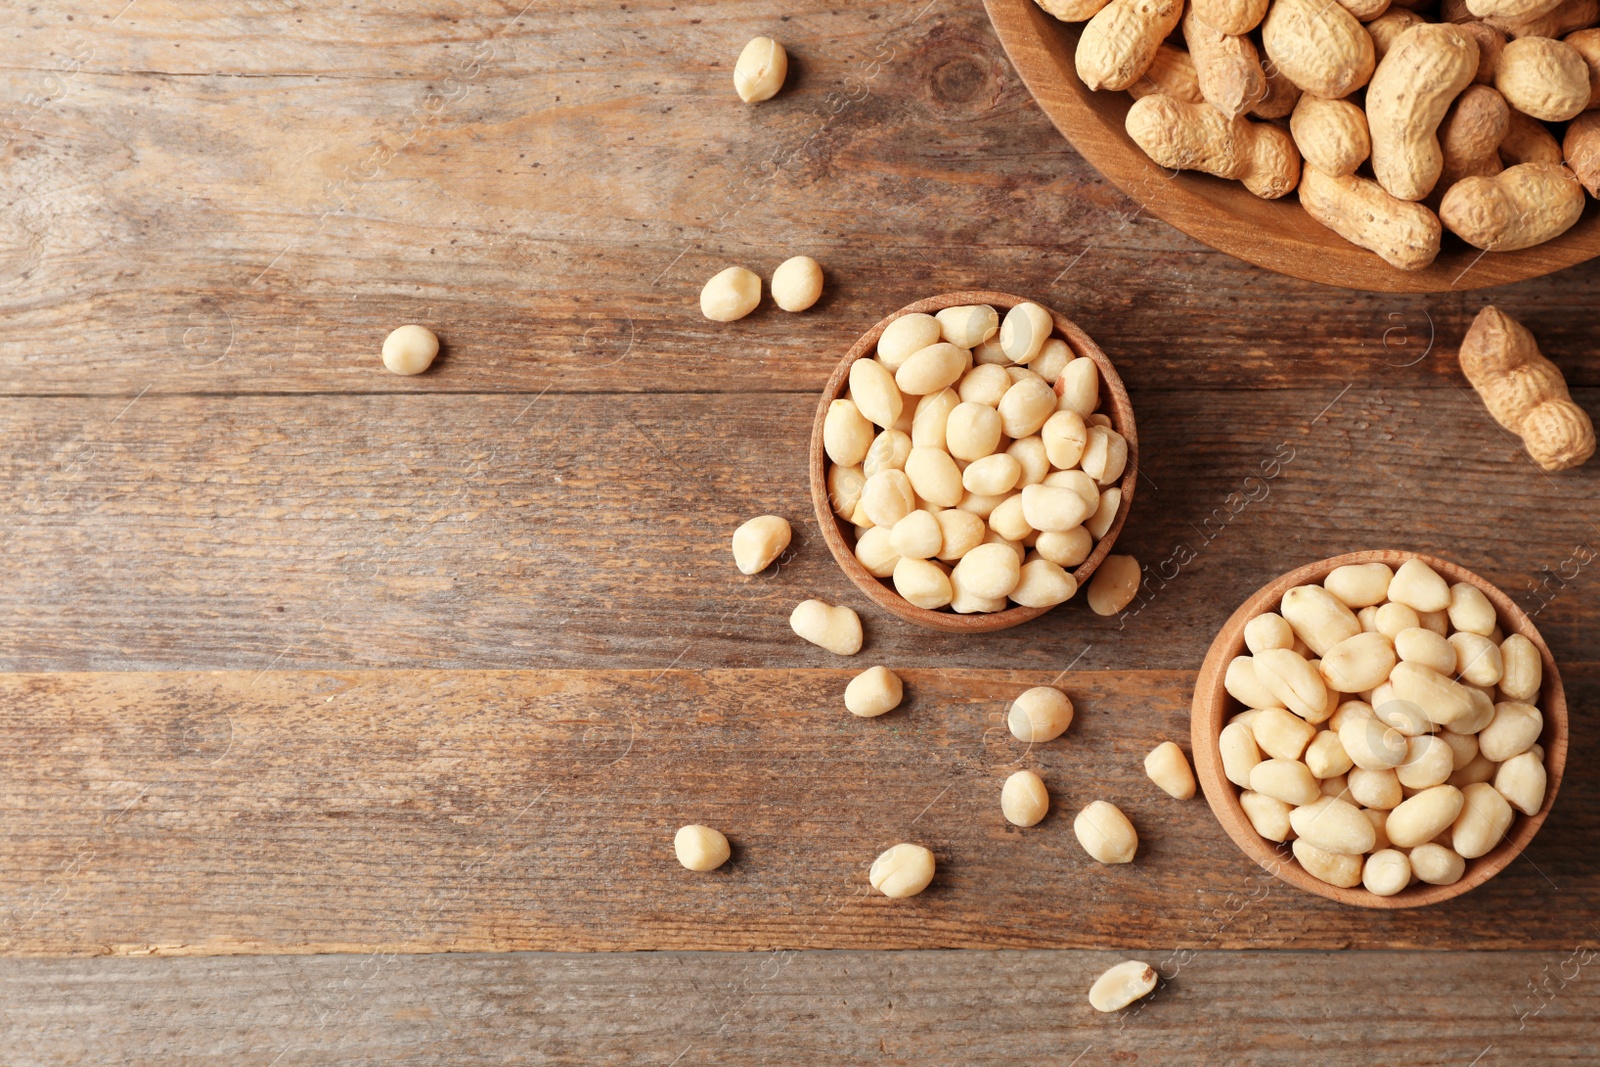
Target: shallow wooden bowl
(840, 535)
(1213, 706)
(1274, 234)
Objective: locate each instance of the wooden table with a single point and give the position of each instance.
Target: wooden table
(349, 716)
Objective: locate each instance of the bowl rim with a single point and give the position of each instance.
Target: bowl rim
(1195, 203)
(1212, 705)
(1115, 402)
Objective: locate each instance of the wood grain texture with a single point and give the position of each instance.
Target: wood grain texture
(932, 1009)
(247, 196)
(1276, 234)
(402, 811)
(583, 531)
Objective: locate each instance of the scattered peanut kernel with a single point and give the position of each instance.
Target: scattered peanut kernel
(902, 871)
(410, 350)
(1024, 801)
(873, 692)
(758, 542)
(730, 294)
(797, 283)
(1168, 768)
(760, 70)
(700, 848)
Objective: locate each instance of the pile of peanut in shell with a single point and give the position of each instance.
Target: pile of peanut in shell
(1394, 120)
(1392, 729)
(973, 461)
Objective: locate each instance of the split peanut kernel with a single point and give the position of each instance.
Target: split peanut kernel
(1122, 985)
(758, 542)
(1168, 767)
(875, 691)
(1024, 801)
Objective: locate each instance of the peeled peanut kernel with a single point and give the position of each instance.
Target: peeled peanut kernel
(759, 541)
(1437, 865)
(1245, 686)
(1269, 630)
(959, 533)
(700, 848)
(888, 451)
(929, 422)
(1032, 456)
(1024, 801)
(873, 692)
(1333, 825)
(965, 603)
(1393, 618)
(902, 871)
(917, 536)
(1379, 790)
(1437, 621)
(994, 475)
(1280, 734)
(1368, 618)
(1168, 767)
(1417, 645)
(875, 551)
(1482, 713)
(1023, 333)
(1024, 374)
(846, 434)
(930, 473)
(760, 71)
(1379, 821)
(1318, 617)
(1401, 715)
(1269, 815)
(1462, 748)
(1114, 585)
(1348, 710)
(1421, 817)
(1105, 513)
(1326, 756)
(972, 431)
(1042, 584)
(873, 389)
(1485, 817)
(1428, 763)
(1372, 745)
(1078, 387)
(1053, 358)
(1239, 752)
(1026, 407)
(1359, 585)
(1105, 833)
(1357, 663)
(1441, 699)
(1334, 868)
(989, 570)
(968, 325)
(1477, 769)
(837, 629)
(1289, 780)
(797, 283)
(1522, 668)
(1386, 872)
(905, 335)
(1419, 587)
(1521, 780)
(1477, 658)
(1078, 482)
(1122, 985)
(1009, 521)
(1294, 681)
(844, 489)
(932, 369)
(1048, 507)
(888, 496)
(1065, 548)
(984, 384)
(1512, 731)
(1040, 714)
(922, 583)
(410, 350)
(993, 538)
(1064, 435)
(730, 294)
(1470, 610)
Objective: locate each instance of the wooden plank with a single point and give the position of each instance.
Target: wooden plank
(938, 1009)
(585, 531)
(550, 191)
(405, 811)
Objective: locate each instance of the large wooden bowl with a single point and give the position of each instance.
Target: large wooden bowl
(1213, 706)
(1275, 234)
(841, 535)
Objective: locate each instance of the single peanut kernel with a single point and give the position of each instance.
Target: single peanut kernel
(758, 542)
(1122, 985)
(1105, 833)
(1040, 714)
(873, 692)
(700, 848)
(1168, 767)
(1024, 801)
(730, 294)
(902, 871)
(760, 70)
(837, 629)
(1114, 585)
(797, 283)
(410, 350)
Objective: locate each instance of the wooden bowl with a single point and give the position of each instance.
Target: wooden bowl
(1275, 234)
(1213, 706)
(841, 535)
